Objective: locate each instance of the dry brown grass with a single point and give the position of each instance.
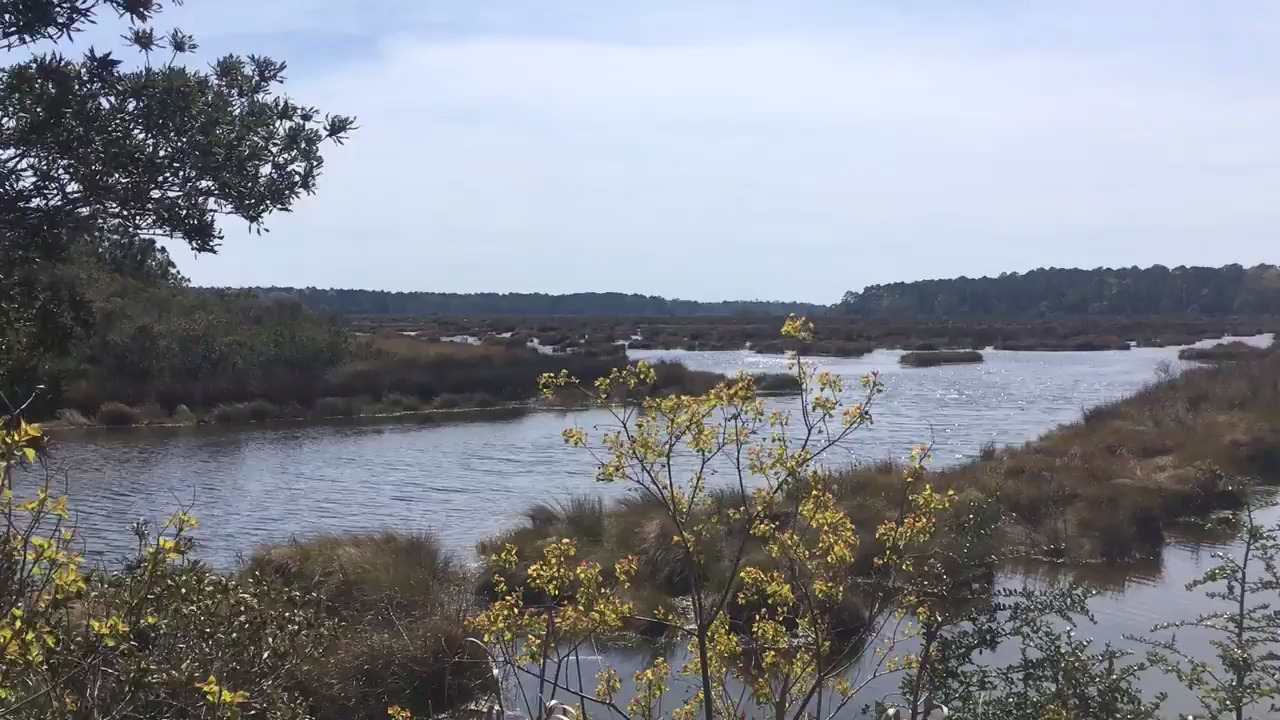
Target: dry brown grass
(1223, 352)
(406, 346)
(1110, 485)
(935, 358)
(400, 600)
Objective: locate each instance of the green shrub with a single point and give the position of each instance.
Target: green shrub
(160, 635)
(400, 600)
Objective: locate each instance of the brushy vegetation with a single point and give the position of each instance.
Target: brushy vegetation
(831, 348)
(382, 375)
(773, 602)
(775, 383)
(840, 335)
(333, 628)
(1223, 352)
(398, 602)
(784, 583)
(1071, 344)
(767, 607)
(1106, 487)
(792, 579)
(940, 357)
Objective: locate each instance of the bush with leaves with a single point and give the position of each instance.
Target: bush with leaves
(94, 149)
(162, 633)
(774, 613)
(1243, 677)
(1056, 674)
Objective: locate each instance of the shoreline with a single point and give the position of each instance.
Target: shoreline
(482, 413)
(1110, 487)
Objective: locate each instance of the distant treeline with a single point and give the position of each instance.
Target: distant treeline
(380, 303)
(1157, 291)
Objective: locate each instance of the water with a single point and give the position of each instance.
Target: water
(467, 480)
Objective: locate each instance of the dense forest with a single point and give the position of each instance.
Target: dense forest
(1227, 291)
(607, 304)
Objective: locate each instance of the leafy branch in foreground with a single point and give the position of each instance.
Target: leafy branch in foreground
(161, 634)
(775, 613)
(1244, 673)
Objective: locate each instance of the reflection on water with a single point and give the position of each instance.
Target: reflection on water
(467, 480)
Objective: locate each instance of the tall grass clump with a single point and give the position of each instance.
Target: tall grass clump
(776, 383)
(118, 415)
(1223, 352)
(398, 601)
(939, 357)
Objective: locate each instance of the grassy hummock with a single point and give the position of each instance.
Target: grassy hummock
(940, 357)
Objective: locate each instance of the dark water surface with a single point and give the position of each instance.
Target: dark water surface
(466, 480)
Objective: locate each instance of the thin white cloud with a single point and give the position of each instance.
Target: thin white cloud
(715, 167)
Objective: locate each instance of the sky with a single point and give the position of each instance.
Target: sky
(738, 149)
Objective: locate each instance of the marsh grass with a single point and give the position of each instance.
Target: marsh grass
(114, 414)
(400, 600)
(1108, 487)
(922, 359)
(1223, 352)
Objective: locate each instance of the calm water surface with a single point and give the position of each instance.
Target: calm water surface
(466, 480)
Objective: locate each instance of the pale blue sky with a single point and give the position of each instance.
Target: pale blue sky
(733, 149)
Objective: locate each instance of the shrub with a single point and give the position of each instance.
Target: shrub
(465, 401)
(293, 411)
(399, 599)
(1078, 343)
(152, 413)
(162, 634)
(261, 410)
(230, 413)
(360, 575)
(399, 402)
(941, 357)
(777, 383)
(117, 415)
(770, 575)
(73, 418)
(425, 667)
(328, 407)
(673, 378)
(1223, 352)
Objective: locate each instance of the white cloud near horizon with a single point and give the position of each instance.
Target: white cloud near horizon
(776, 154)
